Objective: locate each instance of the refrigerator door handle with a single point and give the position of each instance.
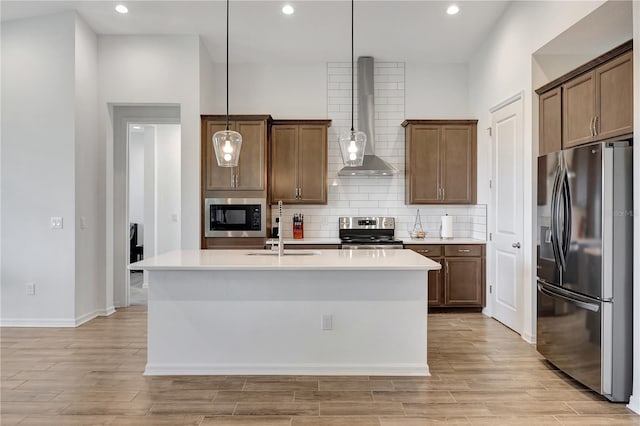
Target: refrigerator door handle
(555, 217)
(554, 233)
(566, 228)
(572, 298)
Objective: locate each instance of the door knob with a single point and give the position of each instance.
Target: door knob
(516, 245)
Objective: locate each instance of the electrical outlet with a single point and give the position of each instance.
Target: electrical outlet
(326, 322)
(30, 289)
(83, 222)
(55, 223)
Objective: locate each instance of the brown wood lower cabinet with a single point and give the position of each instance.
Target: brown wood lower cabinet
(461, 281)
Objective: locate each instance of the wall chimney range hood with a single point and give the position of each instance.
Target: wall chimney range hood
(372, 165)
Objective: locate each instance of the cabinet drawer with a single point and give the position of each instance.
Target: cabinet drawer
(474, 250)
(427, 250)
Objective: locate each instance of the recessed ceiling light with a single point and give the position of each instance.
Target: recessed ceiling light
(453, 9)
(121, 8)
(136, 127)
(287, 9)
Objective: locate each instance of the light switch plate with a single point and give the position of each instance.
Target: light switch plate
(326, 322)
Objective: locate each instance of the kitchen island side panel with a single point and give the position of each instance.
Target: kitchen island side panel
(269, 322)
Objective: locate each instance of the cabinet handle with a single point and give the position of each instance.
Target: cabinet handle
(595, 125)
(299, 193)
(423, 251)
(443, 194)
(593, 119)
(446, 269)
(464, 250)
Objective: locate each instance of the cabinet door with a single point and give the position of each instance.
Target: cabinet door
(550, 121)
(434, 295)
(614, 97)
(216, 177)
(463, 281)
(253, 154)
(423, 165)
(578, 110)
(458, 164)
(283, 163)
(312, 164)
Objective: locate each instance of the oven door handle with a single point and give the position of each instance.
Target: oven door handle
(370, 246)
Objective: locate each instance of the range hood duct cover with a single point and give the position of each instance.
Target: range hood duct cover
(372, 165)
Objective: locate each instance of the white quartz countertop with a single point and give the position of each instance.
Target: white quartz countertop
(225, 260)
(405, 240)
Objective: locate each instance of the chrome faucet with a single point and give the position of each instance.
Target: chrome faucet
(280, 243)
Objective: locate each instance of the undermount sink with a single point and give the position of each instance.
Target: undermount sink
(286, 253)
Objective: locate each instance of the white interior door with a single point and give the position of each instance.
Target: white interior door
(507, 215)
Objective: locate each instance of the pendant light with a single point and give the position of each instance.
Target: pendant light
(352, 142)
(227, 143)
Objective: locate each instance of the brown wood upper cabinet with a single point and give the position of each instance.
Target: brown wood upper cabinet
(551, 121)
(440, 159)
(298, 166)
(251, 173)
(591, 103)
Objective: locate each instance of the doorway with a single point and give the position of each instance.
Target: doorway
(507, 202)
(146, 193)
(154, 197)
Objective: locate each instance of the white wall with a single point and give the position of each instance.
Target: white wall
(437, 91)
(38, 169)
(167, 188)
(89, 261)
(209, 97)
(136, 179)
(149, 189)
(158, 70)
(282, 90)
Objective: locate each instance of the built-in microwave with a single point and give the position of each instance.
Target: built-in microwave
(235, 217)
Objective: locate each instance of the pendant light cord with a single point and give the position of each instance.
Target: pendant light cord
(227, 125)
(352, 67)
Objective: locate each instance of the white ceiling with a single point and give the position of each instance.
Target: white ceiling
(319, 31)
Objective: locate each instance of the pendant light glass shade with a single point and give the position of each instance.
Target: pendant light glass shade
(352, 143)
(227, 144)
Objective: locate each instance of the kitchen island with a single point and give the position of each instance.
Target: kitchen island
(324, 312)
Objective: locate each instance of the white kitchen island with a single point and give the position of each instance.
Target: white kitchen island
(333, 312)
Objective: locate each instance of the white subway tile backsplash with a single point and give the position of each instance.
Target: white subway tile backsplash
(375, 196)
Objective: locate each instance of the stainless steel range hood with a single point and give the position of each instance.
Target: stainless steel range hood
(372, 165)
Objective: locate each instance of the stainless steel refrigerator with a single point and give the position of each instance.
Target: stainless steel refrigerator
(584, 265)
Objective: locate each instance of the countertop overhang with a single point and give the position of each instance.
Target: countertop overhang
(230, 260)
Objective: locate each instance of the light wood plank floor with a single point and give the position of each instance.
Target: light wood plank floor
(482, 373)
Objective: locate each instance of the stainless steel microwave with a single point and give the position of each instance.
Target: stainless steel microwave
(235, 217)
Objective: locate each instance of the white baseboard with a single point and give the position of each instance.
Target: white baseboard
(289, 369)
(38, 322)
(55, 322)
(529, 338)
(634, 403)
(106, 312)
(84, 318)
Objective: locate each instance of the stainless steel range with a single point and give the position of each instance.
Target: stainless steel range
(367, 232)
